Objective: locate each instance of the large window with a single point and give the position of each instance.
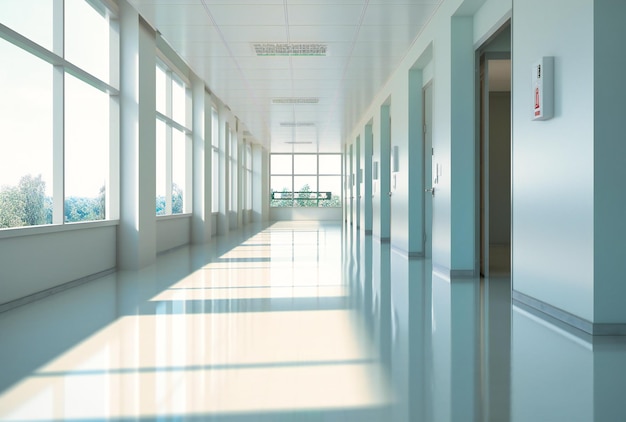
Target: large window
(56, 113)
(173, 143)
(215, 161)
(305, 180)
(234, 200)
(248, 177)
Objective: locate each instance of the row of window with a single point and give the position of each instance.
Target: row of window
(58, 117)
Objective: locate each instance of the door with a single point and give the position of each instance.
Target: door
(429, 176)
(358, 187)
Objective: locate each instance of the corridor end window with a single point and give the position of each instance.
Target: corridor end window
(305, 180)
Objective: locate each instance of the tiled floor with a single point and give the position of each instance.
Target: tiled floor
(299, 322)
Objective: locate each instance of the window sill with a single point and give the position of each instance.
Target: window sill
(54, 228)
(173, 216)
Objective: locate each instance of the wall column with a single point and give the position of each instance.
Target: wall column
(201, 220)
(137, 229)
(462, 149)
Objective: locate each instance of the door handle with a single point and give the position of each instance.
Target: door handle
(390, 193)
(431, 190)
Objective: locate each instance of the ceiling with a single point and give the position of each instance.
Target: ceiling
(365, 41)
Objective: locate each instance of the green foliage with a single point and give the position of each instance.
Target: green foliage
(24, 204)
(33, 192)
(11, 207)
(282, 203)
(160, 205)
(27, 205)
(333, 202)
(86, 209)
(177, 199)
(304, 198)
(177, 202)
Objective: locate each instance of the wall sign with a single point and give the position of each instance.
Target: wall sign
(543, 88)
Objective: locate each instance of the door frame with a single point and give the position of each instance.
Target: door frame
(482, 154)
(428, 180)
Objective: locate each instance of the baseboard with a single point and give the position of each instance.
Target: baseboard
(7, 306)
(545, 309)
(406, 253)
(448, 274)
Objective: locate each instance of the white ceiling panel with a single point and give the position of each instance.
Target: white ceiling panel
(334, 14)
(366, 39)
(254, 33)
(169, 14)
(398, 14)
(326, 33)
(253, 15)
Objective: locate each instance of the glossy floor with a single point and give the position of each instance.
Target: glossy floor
(299, 322)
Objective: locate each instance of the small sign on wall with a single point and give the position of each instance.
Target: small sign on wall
(543, 88)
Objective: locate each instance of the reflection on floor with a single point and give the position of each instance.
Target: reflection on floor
(299, 322)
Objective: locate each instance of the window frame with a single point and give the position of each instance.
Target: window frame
(61, 67)
(172, 76)
(294, 174)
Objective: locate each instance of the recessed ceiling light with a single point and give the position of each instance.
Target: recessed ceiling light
(290, 49)
(295, 100)
(297, 124)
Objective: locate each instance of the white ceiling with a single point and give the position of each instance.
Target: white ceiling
(366, 40)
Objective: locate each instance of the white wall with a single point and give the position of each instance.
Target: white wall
(172, 232)
(609, 110)
(305, 214)
(53, 256)
(553, 160)
(399, 183)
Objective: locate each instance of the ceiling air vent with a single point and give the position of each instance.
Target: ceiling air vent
(296, 100)
(290, 49)
(298, 142)
(297, 124)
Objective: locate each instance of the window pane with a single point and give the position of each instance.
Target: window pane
(86, 150)
(87, 37)
(282, 190)
(305, 164)
(249, 157)
(31, 18)
(331, 184)
(161, 185)
(306, 191)
(215, 129)
(330, 164)
(178, 171)
(215, 194)
(26, 157)
(178, 102)
(281, 164)
(249, 189)
(161, 90)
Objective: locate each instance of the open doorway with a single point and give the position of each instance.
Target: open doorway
(495, 154)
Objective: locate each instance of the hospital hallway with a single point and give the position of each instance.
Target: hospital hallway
(300, 321)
